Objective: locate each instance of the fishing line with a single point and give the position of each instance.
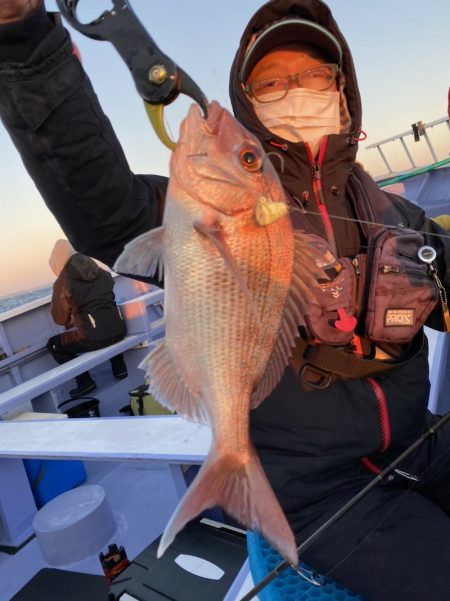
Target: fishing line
(167, 126)
(327, 574)
(371, 223)
(283, 565)
(278, 155)
(397, 503)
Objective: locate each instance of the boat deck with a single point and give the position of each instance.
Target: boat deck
(143, 498)
(143, 488)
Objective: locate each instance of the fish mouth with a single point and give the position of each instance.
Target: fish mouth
(203, 163)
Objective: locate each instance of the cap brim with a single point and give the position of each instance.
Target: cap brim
(291, 30)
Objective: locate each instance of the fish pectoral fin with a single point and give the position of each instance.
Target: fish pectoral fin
(239, 485)
(169, 388)
(214, 233)
(143, 255)
(300, 295)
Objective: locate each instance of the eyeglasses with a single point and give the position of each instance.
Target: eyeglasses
(318, 78)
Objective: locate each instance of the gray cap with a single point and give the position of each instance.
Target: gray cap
(285, 31)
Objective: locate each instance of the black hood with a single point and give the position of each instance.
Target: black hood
(318, 12)
(313, 10)
(81, 267)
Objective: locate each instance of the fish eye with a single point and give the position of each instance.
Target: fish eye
(251, 159)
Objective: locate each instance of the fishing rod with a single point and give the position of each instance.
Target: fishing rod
(284, 565)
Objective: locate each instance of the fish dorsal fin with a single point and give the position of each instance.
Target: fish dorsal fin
(304, 277)
(215, 235)
(169, 388)
(143, 255)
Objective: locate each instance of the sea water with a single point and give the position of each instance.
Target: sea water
(22, 298)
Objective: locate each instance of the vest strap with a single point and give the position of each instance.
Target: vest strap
(318, 365)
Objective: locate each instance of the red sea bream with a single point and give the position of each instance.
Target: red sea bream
(235, 277)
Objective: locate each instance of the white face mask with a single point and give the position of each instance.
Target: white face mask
(303, 115)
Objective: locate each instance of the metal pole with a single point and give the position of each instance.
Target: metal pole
(384, 159)
(408, 154)
(430, 146)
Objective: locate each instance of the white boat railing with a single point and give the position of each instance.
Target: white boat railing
(418, 131)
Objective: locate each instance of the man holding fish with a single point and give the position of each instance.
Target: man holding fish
(312, 287)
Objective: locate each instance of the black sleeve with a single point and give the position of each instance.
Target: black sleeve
(67, 144)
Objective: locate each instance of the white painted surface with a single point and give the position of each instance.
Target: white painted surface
(11, 399)
(163, 438)
(142, 497)
(437, 358)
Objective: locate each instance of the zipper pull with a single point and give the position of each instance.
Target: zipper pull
(389, 269)
(442, 297)
(427, 254)
(317, 184)
(317, 172)
(357, 270)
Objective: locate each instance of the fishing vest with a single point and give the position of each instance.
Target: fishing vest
(382, 297)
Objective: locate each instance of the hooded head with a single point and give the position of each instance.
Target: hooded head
(61, 253)
(307, 23)
(81, 267)
(290, 30)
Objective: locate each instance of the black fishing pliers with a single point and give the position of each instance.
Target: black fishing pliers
(157, 78)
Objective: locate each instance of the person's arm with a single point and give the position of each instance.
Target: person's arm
(67, 144)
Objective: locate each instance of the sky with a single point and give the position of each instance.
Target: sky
(400, 49)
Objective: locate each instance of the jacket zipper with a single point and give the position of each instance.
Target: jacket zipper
(357, 269)
(405, 270)
(382, 414)
(385, 426)
(318, 192)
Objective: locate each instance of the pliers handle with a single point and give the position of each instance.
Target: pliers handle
(157, 78)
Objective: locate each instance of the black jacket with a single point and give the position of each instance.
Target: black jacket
(309, 442)
(83, 298)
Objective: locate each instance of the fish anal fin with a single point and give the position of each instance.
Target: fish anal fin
(143, 255)
(240, 487)
(169, 388)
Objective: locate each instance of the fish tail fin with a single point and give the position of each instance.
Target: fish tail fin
(242, 489)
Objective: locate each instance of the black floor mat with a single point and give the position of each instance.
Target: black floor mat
(59, 585)
(150, 579)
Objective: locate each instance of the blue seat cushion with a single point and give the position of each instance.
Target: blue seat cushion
(289, 585)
